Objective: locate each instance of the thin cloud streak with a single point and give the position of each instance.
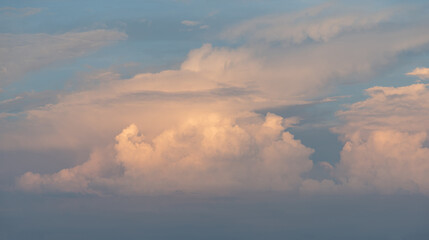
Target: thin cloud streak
(35, 51)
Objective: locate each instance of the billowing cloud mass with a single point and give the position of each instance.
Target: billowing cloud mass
(34, 51)
(207, 153)
(195, 135)
(386, 141)
(210, 79)
(238, 119)
(422, 73)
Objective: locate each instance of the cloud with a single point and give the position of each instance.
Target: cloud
(308, 69)
(422, 73)
(211, 81)
(19, 12)
(320, 23)
(5, 115)
(152, 101)
(195, 24)
(26, 101)
(190, 23)
(206, 153)
(211, 78)
(35, 51)
(386, 140)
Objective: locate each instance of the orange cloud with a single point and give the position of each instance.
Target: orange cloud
(422, 73)
(173, 108)
(206, 153)
(386, 141)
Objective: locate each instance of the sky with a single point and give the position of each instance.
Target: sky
(197, 119)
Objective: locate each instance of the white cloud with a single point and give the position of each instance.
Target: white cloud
(422, 73)
(35, 51)
(206, 153)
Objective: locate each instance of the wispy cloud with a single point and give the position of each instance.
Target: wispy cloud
(194, 24)
(422, 73)
(35, 51)
(190, 23)
(318, 24)
(19, 12)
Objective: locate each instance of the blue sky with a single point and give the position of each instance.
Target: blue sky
(214, 119)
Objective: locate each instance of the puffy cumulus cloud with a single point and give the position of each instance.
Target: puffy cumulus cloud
(320, 23)
(34, 51)
(422, 73)
(386, 162)
(386, 140)
(205, 153)
(77, 179)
